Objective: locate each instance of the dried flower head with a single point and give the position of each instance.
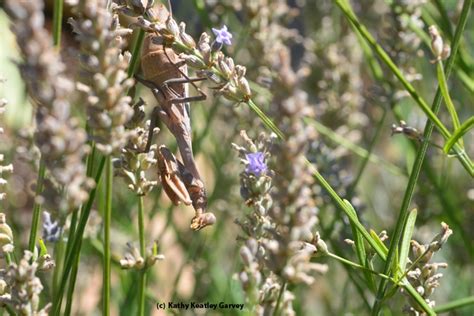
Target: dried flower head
(58, 136)
(6, 236)
(134, 162)
(423, 275)
(24, 287)
(133, 260)
(106, 86)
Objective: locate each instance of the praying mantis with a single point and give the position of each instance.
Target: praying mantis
(166, 75)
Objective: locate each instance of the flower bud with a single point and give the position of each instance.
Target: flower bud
(243, 85)
(436, 42)
(186, 38)
(226, 71)
(446, 52)
(6, 234)
(172, 26)
(193, 61)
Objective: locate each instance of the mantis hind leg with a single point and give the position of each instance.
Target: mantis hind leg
(202, 96)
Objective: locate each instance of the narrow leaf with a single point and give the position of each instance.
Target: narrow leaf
(406, 238)
(447, 98)
(463, 129)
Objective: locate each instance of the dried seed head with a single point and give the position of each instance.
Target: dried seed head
(58, 136)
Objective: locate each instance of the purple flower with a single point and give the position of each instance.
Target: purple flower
(222, 35)
(51, 229)
(256, 164)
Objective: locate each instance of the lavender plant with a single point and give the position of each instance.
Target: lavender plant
(279, 235)
(58, 136)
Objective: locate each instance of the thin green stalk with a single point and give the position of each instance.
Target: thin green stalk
(8, 258)
(458, 133)
(455, 304)
(280, 295)
(142, 276)
(461, 154)
(72, 284)
(137, 46)
(443, 85)
(72, 230)
(358, 266)
(355, 279)
(36, 207)
(107, 221)
(77, 242)
(403, 216)
(57, 21)
(59, 254)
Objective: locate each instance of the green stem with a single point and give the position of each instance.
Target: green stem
(358, 266)
(57, 22)
(455, 304)
(459, 133)
(8, 258)
(447, 98)
(137, 46)
(107, 220)
(70, 290)
(142, 276)
(77, 242)
(280, 295)
(403, 216)
(59, 254)
(72, 230)
(36, 207)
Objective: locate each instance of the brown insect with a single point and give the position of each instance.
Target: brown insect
(166, 75)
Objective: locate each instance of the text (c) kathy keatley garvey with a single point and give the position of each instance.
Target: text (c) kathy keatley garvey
(192, 305)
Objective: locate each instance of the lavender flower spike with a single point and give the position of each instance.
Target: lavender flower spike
(256, 163)
(222, 35)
